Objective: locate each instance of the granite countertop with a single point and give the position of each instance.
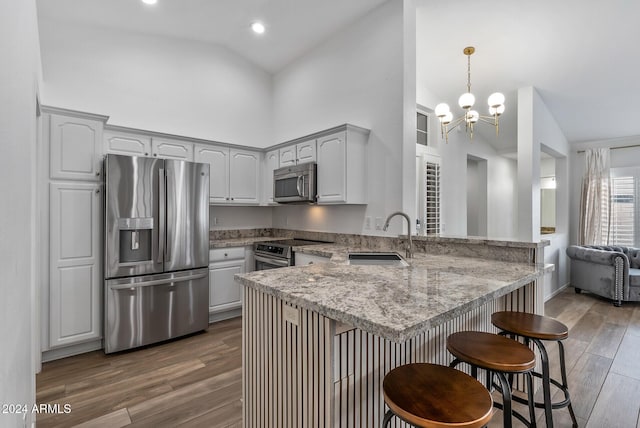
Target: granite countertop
(242, 242)
(396, 303)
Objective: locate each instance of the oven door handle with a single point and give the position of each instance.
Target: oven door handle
(275, 262)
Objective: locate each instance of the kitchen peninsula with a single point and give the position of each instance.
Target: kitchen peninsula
(318, 339)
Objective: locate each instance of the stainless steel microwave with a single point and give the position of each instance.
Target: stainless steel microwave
(295, 183)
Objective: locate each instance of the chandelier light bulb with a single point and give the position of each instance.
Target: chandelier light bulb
(472, 116)
(447, 118)
(258, 27)
(496, 111)
(495, 99)
(466, 100)
(149, 1)
(442, 109)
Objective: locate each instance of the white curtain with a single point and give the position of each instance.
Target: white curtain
(594, 200)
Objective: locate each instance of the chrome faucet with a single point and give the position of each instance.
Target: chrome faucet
(409, 253)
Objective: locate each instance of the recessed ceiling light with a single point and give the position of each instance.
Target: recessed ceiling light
(258, 27)
(149, 1)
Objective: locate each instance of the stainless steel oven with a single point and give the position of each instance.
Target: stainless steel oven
(277, 254)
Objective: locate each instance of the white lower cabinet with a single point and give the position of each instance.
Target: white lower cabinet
(75, 263)
(225, 294)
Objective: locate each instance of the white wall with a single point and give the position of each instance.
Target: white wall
(221, 218)
(538, 131)
(157, 83)
(19, 75)
(356, 76)
(501, 186)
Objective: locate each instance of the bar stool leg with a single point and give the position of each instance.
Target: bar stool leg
(506, 399)
(532, 405)
(387, 418)
(546, 382)
(565, 385)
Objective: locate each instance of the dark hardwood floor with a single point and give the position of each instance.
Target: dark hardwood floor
(196, 381)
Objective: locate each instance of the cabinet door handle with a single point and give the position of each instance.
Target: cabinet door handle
(146, 153)
(232, 199)
(226, 255)
(97, 191)
(98, 173)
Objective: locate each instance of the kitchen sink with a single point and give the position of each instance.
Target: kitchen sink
(377, 258)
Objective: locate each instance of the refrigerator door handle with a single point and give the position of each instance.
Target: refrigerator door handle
(171, 201)
(157, 282)
(162, 207)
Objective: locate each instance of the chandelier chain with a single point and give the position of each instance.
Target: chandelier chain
(468, 73)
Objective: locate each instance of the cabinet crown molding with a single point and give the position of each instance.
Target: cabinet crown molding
(73, 113)
(320, 134)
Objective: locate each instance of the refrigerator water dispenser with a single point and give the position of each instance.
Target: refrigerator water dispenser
(135, 239)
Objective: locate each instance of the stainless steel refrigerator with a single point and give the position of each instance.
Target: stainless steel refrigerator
(156, 250)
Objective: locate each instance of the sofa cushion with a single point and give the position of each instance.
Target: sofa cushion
(634, 258)
(634, 277)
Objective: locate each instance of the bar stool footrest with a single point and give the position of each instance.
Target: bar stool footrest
(518, 416)
(558, 404)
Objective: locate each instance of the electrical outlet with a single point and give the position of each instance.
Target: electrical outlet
(367, 222)
(378, 223)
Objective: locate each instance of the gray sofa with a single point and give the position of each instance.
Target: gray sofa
(608, 271)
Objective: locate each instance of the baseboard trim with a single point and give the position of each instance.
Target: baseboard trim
(552, 295)
(68, 351)
(221, 316)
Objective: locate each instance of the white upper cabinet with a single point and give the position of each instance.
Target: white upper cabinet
(298, 153)
(244, 184)
(342, 166)
(271, 163)
(306, 152)
(132, 144)
(234, 174)
(76, 148)
(170, 149)
(288, 156)
(126, 144)
(218, 160)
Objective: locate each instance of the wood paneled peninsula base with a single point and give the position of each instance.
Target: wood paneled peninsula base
(318, 339)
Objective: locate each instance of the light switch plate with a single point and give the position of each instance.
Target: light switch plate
(367, 222)
(378, 223)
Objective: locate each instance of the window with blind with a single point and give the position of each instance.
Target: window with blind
(624, 218)
(432, 199)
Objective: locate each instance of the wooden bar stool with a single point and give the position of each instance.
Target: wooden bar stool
(538, 328)
(433, 396)
(500, 356)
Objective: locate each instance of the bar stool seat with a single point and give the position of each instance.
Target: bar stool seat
(537, 328)
(500, 356)
(433, 396)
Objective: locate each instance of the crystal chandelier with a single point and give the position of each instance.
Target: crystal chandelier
(466, 101)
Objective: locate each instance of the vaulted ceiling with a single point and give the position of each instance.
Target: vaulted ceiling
(579, 55)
